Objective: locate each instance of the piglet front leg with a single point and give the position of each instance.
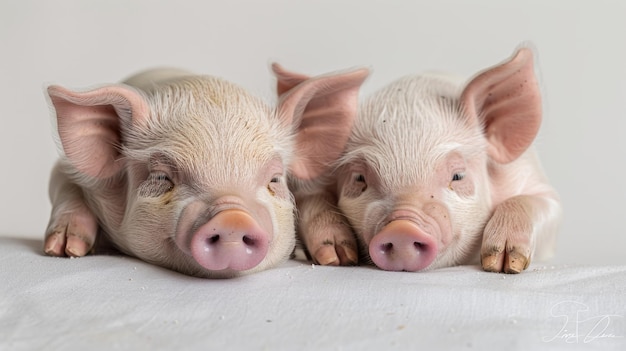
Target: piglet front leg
(511, 235)
(325, 232)
(73, 226)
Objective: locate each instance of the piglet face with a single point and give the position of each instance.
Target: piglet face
(206, 205)
(209, 228)
(416, 197)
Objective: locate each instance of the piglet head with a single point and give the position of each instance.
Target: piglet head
(423, 202)
(190, 174)
(416, 181)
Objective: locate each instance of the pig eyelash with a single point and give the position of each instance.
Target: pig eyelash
(357, 185)
(360, 178)
(157, 184)
(273, 186)
(457, 176)
(162, 177)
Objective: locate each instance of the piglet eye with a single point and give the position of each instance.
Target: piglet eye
(354, 185)
(360, 180)
(275, 187)
(157, 184)
(458, 176)
(161, 177)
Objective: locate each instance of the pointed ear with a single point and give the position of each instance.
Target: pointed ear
(322, 110)
(506, 100)
(286, 80)
(89, 125)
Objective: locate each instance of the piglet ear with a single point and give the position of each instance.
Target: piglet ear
(323, 110)
(286, 80)
(506, 100)
(89, 125)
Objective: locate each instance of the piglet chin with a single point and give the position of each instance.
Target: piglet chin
(402, 246)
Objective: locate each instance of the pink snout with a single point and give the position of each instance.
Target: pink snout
(230, 240)
(402, 246)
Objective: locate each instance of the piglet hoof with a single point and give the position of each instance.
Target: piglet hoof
(330, 243)
(333, 254)
(508, 237)
(515, 262)
(512, 261)
(71, 234)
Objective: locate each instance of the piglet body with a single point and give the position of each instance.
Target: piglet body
(437, 174)
(184, 171)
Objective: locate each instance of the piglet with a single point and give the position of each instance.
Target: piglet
(434, 173)
(189, 172)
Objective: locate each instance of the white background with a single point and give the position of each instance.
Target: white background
(582, 57)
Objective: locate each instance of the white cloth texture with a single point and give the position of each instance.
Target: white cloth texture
(121, 303)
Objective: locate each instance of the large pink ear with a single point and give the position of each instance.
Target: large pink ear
(89, 125)
(286, 80)
(323, 110)
(507, 101)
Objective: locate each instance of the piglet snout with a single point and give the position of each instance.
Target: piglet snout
(402, 246)
(232, 239)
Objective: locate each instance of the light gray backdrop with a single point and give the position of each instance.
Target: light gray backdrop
(582, 55)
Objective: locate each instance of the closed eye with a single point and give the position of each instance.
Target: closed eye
(157, 184)
(161, 177)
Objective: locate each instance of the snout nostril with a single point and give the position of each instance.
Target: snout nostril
(419, 246)
(249, 241)
(212, 240)
(386, 248)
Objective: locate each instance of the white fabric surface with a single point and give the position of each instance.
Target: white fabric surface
(120, 303)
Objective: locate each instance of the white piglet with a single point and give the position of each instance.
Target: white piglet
(186, 171)
(436, 174)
